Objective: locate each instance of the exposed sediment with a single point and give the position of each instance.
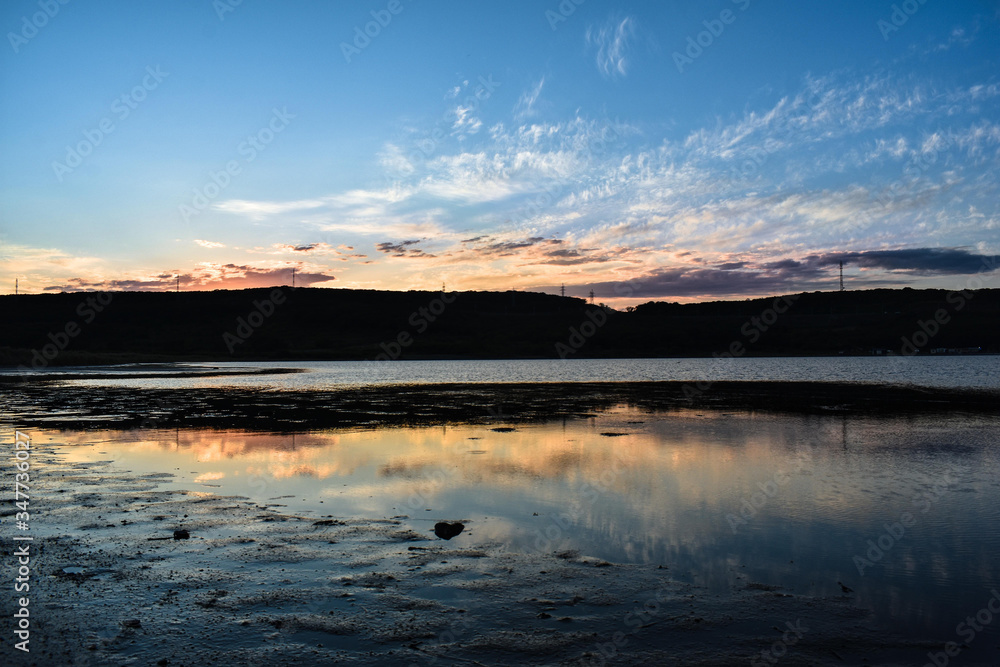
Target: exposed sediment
(253, 584)
(58, 405)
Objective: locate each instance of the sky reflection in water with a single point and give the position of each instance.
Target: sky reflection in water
(721, 498)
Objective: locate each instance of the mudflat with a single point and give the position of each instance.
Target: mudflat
(50, 402)
(117, 582)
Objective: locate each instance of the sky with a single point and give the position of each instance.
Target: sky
(678, 151)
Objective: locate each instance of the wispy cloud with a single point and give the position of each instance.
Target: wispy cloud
(611, 41)
(209, 244)
(891, 176)
(957, 37)
(259, 210)
(525, 107)
(594, 196)
(466, 122)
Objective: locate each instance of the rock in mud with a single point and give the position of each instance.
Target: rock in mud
(446, 530)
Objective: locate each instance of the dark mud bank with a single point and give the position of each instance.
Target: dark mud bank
(57, 405)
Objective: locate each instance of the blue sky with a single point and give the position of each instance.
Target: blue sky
(680, 151)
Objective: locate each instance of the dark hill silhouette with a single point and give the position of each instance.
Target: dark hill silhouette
(312, 323)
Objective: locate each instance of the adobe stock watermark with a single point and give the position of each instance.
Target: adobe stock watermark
(916, 166)
(967, 630)
(420, 319)
(427, 146)
(566, 9)
(957, 299)
(900, 14)
(586, 494)
(223, 7)
(790, 637)
(752, 330)
(635, 620)
(381, 18)
(246, 326)
(894, 532)
(579, 335)
(626, 289)
(37, 21)
(87, 310)
(769, 489)
(456, 630)
(122, 108)
(594, 147)
(713, 30)
(249, 149)
(22, 554)
(749, 162)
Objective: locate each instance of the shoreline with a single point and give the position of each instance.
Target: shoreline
(113, 360)
(23, 378)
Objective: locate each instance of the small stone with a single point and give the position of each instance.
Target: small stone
(446, 530)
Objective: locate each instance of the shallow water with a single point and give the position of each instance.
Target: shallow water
(978, 371)
(720, 498)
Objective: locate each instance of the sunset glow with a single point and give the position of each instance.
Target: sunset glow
(660, 152)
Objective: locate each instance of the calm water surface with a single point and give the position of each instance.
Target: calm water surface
(982, 371)
(720, 498)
